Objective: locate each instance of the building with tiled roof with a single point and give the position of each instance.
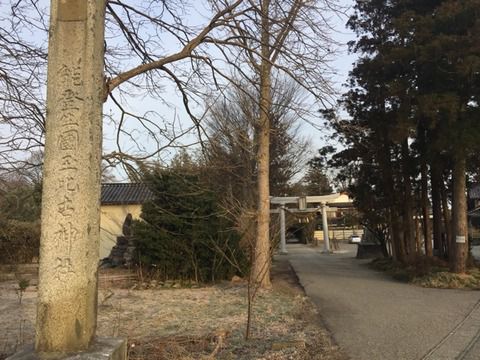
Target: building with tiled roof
(125, 193)
(117, 201)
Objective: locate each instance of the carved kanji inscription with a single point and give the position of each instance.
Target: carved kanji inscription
(63, 268)
(65, 237)
(69, 163)
(68, 140)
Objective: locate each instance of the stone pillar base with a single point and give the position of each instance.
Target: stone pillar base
(102, 349)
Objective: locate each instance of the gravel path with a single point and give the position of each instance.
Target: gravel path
(373, 317)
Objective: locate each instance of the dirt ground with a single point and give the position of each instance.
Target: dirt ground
(191, 323)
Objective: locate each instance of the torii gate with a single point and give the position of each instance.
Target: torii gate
(302, 206)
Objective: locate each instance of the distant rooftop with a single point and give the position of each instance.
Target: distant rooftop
(331, 199)
(125, 194)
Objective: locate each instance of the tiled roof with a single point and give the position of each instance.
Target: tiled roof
(123, 194)
(341, 204)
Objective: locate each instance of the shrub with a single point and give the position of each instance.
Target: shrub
(19, 241)
(184, 234)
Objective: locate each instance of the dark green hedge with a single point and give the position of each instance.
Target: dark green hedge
(184, 233)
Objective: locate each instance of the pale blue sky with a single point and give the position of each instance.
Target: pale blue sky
(342, 64)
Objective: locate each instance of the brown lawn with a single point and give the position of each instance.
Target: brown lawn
(191, 323)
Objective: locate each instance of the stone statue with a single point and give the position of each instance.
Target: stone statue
(127, 225)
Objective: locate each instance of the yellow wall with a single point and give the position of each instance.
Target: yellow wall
(111, 222)
(338, 234)
(342, 198)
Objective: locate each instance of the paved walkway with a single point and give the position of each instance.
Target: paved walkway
(373, 317)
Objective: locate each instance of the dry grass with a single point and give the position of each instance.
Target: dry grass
(185, 323)
(448, 280)
(429, 272)
(203, 323)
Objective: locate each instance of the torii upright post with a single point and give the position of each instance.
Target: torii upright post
(326, 240)
(283, 241)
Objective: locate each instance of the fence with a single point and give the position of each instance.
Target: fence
(337, 234)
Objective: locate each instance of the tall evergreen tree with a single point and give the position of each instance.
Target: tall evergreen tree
(413, 102)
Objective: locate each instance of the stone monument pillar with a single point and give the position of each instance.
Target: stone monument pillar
(67, 302)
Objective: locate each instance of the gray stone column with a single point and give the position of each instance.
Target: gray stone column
(67, 302)
(326, 240)
(283, 242)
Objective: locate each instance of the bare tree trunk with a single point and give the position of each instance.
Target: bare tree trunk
(437, 209)
(425, 206)
(397, 238)
(418, 242)
(448, 246)
(408, 224)
(261, 262)
(391, 240)
(459, 223)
